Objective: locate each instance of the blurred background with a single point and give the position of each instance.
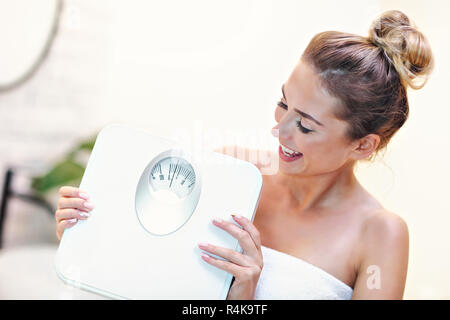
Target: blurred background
(70, 67)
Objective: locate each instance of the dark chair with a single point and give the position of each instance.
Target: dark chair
(8, 193)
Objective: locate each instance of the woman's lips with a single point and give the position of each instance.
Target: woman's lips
(286, 158)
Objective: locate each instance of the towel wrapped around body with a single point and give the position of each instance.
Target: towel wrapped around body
(290, 278)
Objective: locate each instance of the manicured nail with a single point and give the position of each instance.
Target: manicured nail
(89, 205)
(84, 214)
(203, 244)
(217, 220)
(205, 256)
(237, 216)
(83, 195)
(72, 220)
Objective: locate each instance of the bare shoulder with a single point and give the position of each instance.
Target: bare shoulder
(384, 235)
(384, 257)
(379, 230)
(383, 225)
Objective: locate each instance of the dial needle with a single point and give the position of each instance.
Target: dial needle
(174, 174)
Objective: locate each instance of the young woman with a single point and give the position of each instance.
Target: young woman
(317, 233)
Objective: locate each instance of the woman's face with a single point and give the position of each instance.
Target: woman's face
(306, 124)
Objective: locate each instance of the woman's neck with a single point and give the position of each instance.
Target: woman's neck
(318, 191)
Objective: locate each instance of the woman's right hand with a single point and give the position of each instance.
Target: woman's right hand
(73, 205)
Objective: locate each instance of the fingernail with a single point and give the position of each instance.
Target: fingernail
(72, 220)
(217, 220)
(84, 214)
(89, 205)
(205, 256)
(83, 195)
(237, 216)
(203, 244)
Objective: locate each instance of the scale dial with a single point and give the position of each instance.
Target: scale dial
(172, 176)
(168, 192)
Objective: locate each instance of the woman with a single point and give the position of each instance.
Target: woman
(317, 233)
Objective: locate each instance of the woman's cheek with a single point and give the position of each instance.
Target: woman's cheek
(305, 146)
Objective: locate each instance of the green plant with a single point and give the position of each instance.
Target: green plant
(68, 171)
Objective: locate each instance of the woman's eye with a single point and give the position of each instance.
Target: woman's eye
(302, 128)
(282, 105)
(298, 122)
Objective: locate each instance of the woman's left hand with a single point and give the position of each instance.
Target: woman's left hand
(246, 266)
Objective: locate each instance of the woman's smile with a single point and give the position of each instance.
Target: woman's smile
(288, 155)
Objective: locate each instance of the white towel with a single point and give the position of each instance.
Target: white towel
(290, 278)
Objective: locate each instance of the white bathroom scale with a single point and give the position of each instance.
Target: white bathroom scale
(154, 202)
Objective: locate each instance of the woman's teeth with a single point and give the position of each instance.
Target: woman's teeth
(289, 152)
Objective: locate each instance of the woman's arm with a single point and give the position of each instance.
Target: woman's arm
(384, 264)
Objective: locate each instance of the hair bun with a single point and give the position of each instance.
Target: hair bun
(404, 46)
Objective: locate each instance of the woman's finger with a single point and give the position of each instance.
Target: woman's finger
(72, 192)
(229, 267)
(231, 255)
(250, 228)
(244, 238)
(75, 203)
(63, 225)
(64, 214)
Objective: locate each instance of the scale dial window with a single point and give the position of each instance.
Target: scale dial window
(172, 176)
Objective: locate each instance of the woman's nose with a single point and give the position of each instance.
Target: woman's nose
(276, 131)
(285, 126)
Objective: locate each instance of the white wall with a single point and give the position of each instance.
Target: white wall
(413, 182)
(219, 65)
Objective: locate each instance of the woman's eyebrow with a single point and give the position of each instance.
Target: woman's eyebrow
(301, 112)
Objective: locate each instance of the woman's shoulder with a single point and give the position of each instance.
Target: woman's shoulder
(379, 229)
(384, 235)
(381, 223)
(376, 221)
(384, 256)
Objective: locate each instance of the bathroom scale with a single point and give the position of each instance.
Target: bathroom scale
(154, 202)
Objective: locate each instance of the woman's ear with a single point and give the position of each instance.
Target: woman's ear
(365, 146)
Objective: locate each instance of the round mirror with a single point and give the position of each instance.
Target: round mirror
(27, 30)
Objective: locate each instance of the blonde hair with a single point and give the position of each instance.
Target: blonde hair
(370, 75)
(405, 47)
